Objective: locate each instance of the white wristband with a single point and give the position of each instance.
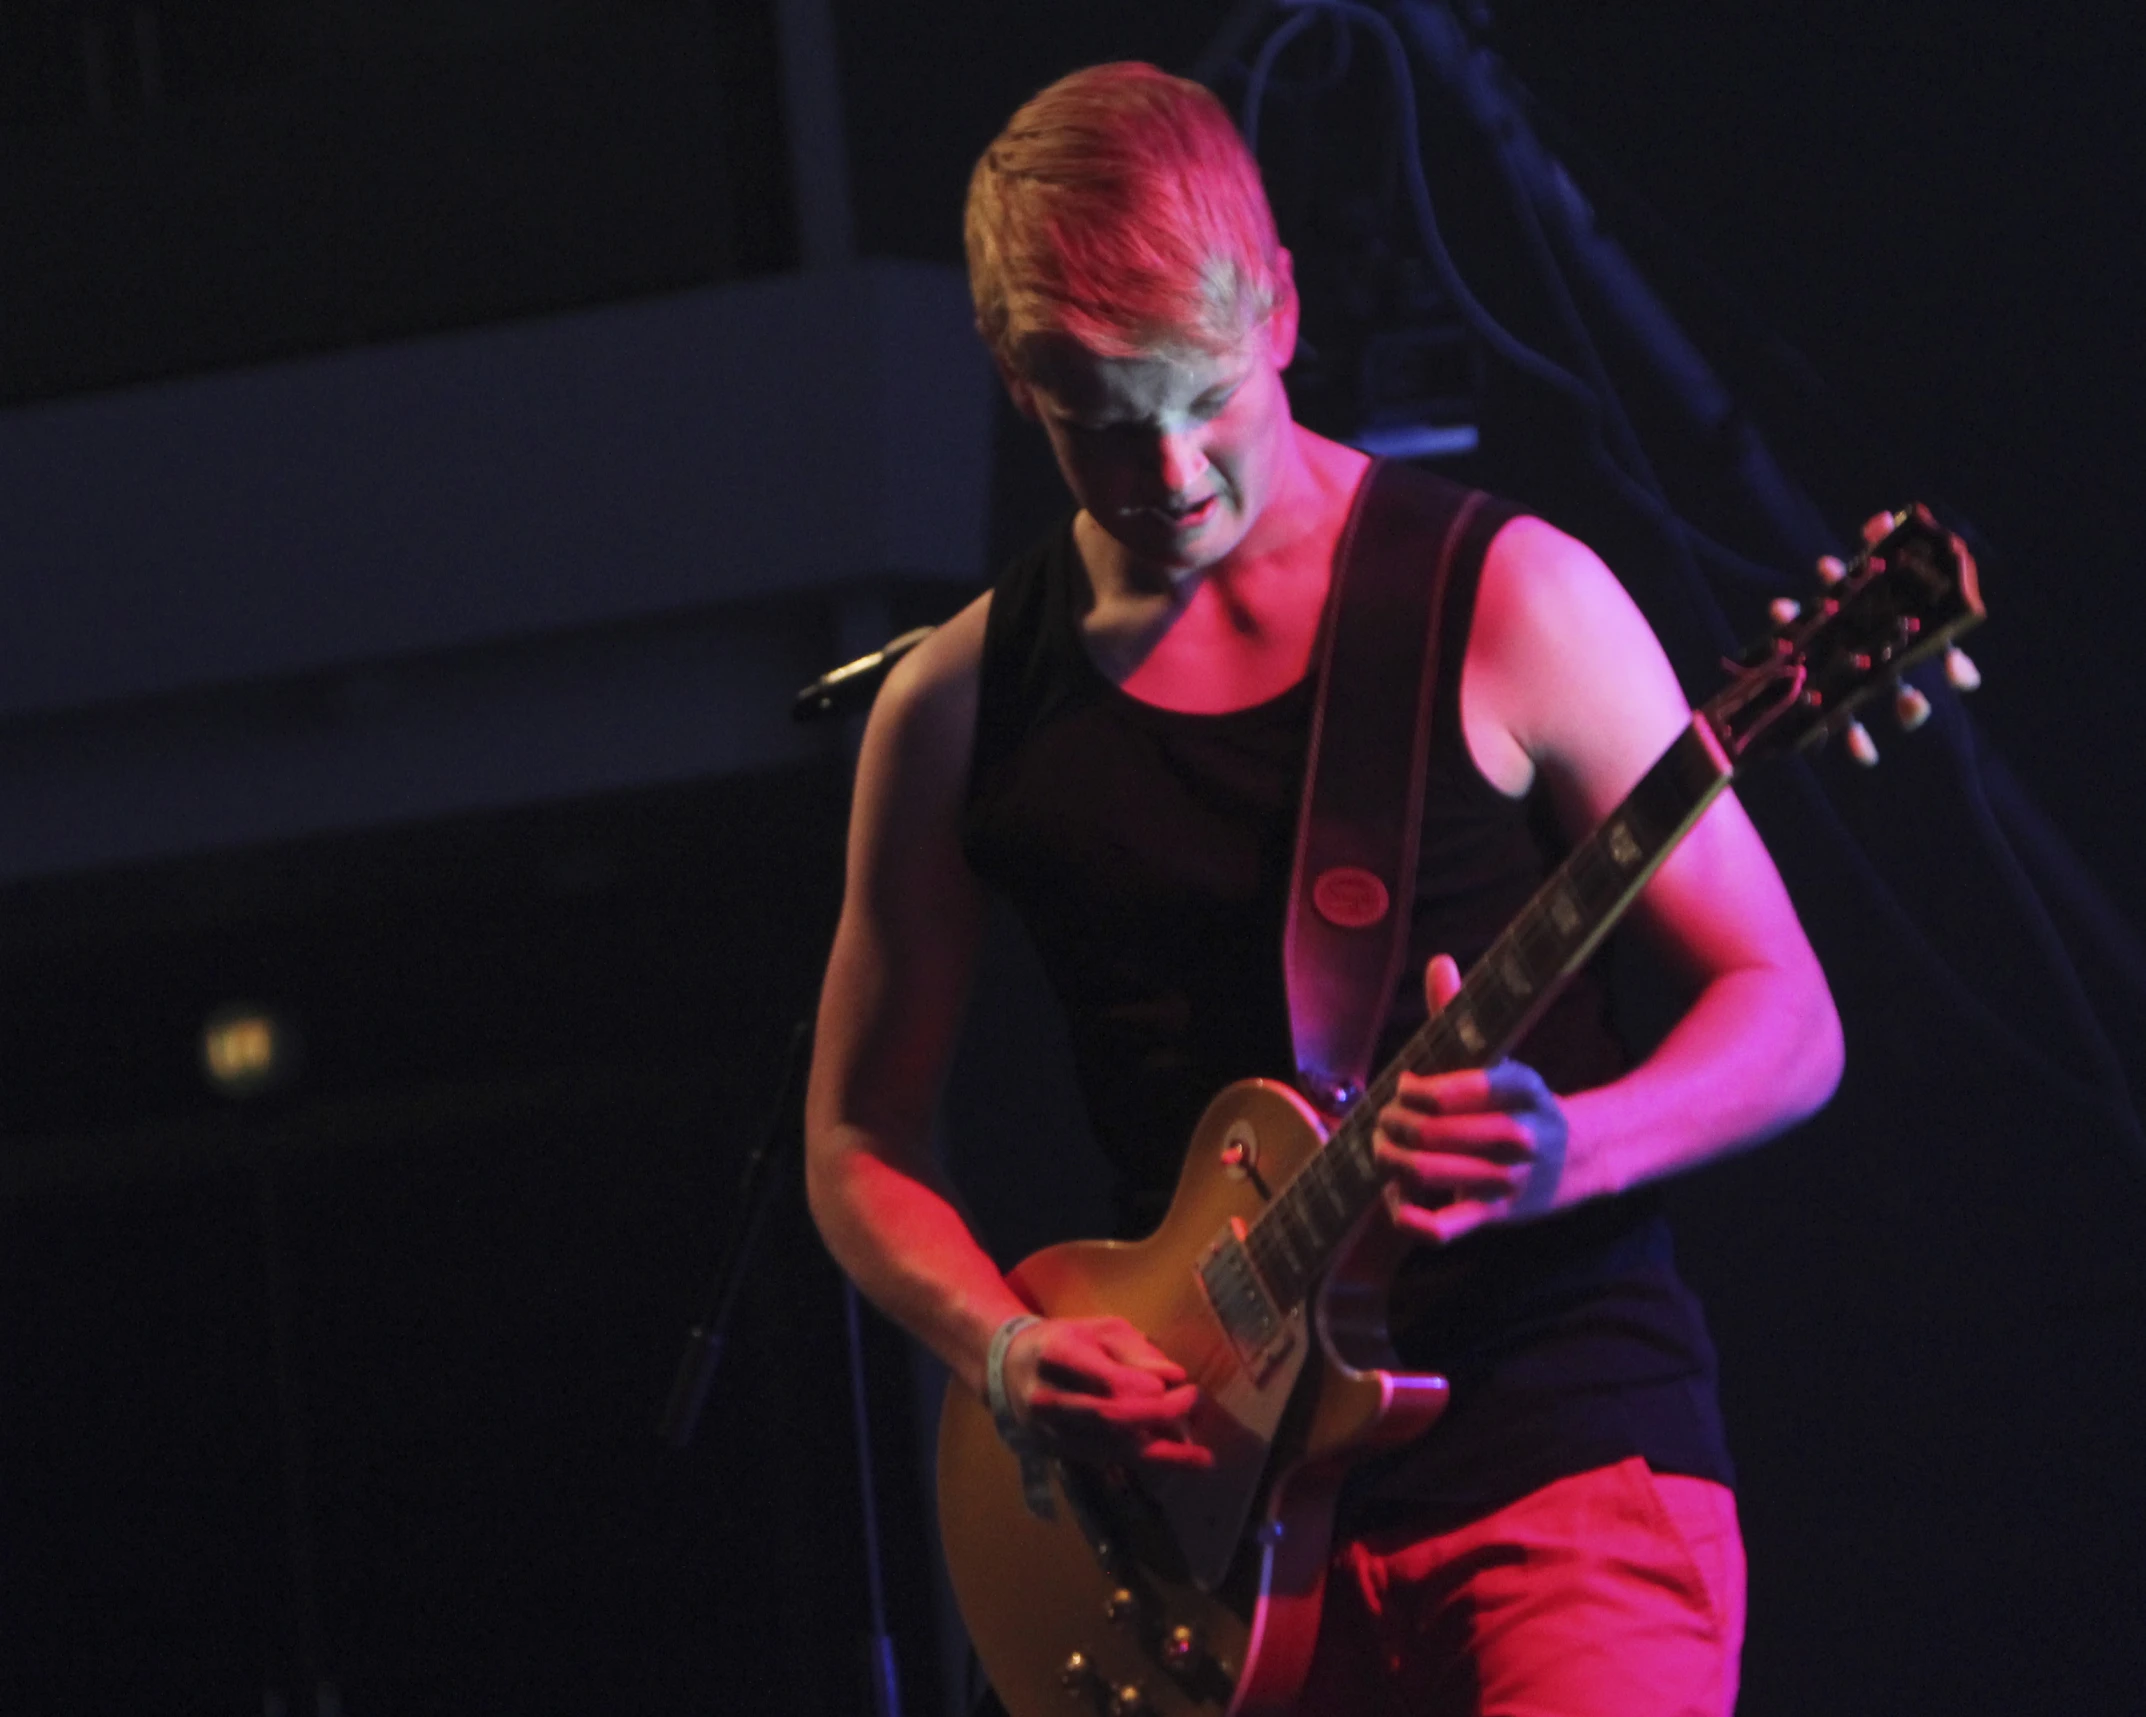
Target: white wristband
(1035, 1471)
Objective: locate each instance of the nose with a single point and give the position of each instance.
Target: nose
(1180, 463)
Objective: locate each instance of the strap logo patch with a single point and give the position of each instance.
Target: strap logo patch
(1350, 898)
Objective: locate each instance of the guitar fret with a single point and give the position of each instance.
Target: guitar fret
(1436, 1047)
(1331, 1165)
(1545, 943)
(1355, 1159)
(1563, 909)
(1354, 1173)
(1298, 1243)
(1467, 1030)
(1306, 1206)
(1599, 877)
(1320, 1175)
(1513, 973)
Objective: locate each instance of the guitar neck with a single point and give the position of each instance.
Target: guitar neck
(1522, 972)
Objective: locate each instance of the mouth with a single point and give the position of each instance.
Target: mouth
(1185, 516)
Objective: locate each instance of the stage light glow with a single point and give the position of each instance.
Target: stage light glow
(246, 1050)
(1416, 440)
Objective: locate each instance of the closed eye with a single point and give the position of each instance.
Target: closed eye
(1210, 404)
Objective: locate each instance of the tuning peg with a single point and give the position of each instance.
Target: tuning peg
(1910, 708)
(1961, 673)
(1878, 526)
(1831, 569)
(1861, 746)
(1785, 610)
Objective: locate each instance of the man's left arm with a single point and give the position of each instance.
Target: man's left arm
(1564, 679)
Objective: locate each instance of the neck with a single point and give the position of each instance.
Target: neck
(1239, 630)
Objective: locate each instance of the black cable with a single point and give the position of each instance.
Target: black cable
(1487, 327)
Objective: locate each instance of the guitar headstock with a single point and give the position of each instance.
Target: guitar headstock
(1906, 596)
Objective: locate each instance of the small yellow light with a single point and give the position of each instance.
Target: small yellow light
(245, 1050)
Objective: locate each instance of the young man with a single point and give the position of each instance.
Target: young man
(1115, 738)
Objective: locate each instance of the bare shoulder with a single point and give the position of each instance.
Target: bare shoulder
(926, 712)
(1542, 589)
(943, 669)
(912, 775)
(898, 971)
(911, 907)
(1563, 673)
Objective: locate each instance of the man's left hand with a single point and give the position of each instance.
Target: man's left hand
(1462, 1149)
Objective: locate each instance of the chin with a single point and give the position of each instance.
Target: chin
(1186, 551)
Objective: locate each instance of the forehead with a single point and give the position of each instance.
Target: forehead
(1090, 385)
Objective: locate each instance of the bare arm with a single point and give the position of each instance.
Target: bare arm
(1565, 679)
(897, 982)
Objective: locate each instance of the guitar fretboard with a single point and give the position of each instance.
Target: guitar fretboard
(1297, 1235)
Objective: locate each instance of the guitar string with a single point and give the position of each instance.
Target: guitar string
(1494, 1005)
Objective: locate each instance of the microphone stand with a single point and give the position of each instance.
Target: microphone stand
(839, 692)
(704, 1344)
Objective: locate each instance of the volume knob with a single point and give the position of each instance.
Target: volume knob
(1130, 1701)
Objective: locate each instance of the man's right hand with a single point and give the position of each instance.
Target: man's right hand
(1097, 1391)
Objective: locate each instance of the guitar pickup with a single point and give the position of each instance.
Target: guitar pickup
(1242, 1305)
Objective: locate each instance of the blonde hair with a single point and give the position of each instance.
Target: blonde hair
(1121, 207)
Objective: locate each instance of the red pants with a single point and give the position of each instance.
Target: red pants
(1615, 1593)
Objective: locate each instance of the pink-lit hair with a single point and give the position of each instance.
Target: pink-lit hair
(1121, 207)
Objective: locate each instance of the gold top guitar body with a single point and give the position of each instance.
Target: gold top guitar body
(1198, 1589)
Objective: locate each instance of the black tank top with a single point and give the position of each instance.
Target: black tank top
(1148, 853)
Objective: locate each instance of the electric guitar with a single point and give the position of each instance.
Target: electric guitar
(1179, 1592)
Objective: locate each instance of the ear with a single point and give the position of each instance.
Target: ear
(1018, 388)
(1281, 328)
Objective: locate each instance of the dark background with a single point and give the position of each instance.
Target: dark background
(356, 1385)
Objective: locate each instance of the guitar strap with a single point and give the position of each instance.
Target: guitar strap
(1352, 889)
